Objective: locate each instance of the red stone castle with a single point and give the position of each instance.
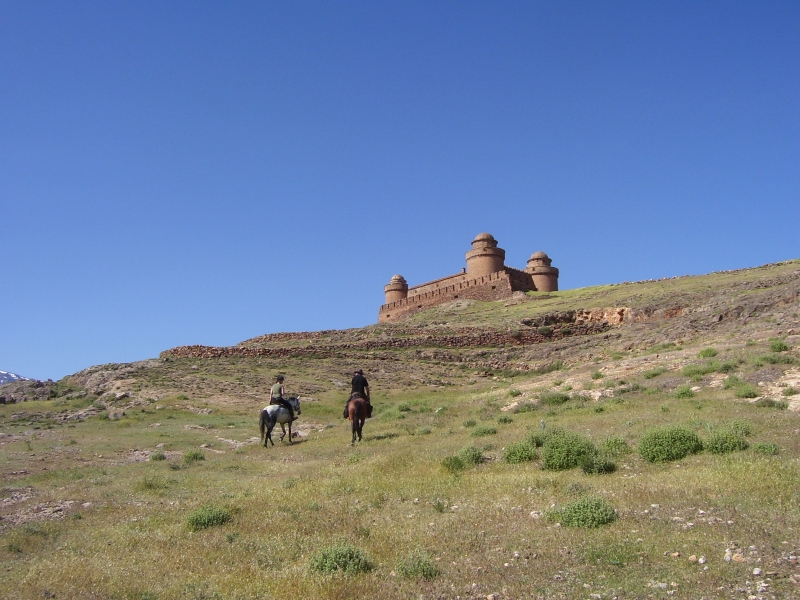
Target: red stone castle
(485, 278)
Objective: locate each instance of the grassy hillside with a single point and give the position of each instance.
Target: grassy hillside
(148, 481)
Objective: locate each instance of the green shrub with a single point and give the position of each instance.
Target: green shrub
(662, 444)
(707, 353)
(587, 511)
(778, 346)
(615, 446)
(193, 455)
(158, 456)
(525, 407)
(548, 368)
(423, 431)
(519, 452)
(417, 565)
(563, 450)
(553, 398)
(745, 390)
(595, 464)
(505, 420)
(684, 391)
(514, 393)
(770, 403)
(208, 515)
(342, 558)
(726, 440)
(767, 448)
(651, 373)
(453, 464)
(470, 455)
(470, 423)
(596, 375)
(741, 427)
(483, 431)
(545, 331)
(404, 408)
(774, 359)
(790, 391)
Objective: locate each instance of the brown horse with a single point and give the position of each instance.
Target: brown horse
(357, 413)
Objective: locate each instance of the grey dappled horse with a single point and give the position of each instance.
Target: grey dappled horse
(275, 413)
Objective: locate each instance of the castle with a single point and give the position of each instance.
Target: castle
(485, 278)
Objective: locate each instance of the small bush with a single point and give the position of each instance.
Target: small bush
(423, 431)
(596, 375)
(404, 408)
(520, 452)
(525, 407)
(741, 427)
(767, 448)
(484, 431)
(152, 483)
(545, 331)
(417, 565)
(790, 391)
(662, 444)
(587, 511)
(342, 558)
(615, 446)
(707, 353)
(505, 420)
(193, 455)
(553, 398)
(770, 403)
(158, 456)
(745, 390)
(548, 368)
(563, 450)
(453, 464)
(774, 359)
(595, 464)
(726, 440)
(470, 423)
(470, 455)
(514, 393)
(684, 391)
(778, 346)
(651, 373)
(208, 516)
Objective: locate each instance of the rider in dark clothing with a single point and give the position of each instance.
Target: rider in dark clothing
(276, 397)
(359, 387)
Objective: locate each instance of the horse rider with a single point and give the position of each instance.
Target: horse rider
(359, 388)
(276, 397)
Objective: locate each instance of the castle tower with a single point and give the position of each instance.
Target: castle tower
(485, 257)
(397, 289)
(545, 277)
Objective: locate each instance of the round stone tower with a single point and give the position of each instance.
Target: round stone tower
(545, 277)
(396, 289)
(485, 257)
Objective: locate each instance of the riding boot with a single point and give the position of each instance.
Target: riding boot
(369, 410)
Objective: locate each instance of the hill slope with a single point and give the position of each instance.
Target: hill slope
(430, 497)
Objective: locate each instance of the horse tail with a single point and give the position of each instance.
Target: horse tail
(263, 422)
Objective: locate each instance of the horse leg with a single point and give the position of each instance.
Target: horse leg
(283, 432)
(290, 433)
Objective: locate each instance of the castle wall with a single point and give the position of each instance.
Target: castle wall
(487, 288)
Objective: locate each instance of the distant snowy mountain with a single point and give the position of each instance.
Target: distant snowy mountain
(9, 377)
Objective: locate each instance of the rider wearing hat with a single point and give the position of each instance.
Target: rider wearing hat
(276, 397)
(359, 388)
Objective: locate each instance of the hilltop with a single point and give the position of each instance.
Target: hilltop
(464, 379)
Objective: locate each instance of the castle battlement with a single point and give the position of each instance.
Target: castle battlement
(486, 278)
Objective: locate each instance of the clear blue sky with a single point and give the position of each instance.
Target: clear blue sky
(204, 172)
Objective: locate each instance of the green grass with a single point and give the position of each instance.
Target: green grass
(304, 516)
